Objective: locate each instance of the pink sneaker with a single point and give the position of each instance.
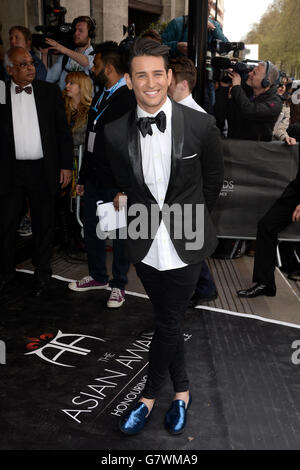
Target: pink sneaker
(116, 298)
(85, 284)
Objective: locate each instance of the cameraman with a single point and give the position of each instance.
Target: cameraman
(251, 115)
(71, 60)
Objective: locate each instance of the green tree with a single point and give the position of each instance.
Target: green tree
(278, 37)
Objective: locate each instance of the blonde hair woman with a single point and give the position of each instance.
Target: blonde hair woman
(78, 97)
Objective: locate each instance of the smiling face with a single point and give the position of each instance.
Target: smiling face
(149, 80)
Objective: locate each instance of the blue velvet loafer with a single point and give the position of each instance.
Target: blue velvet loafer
(175, 419)
(134, 421)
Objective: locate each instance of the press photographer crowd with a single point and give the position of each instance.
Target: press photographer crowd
(60, 92)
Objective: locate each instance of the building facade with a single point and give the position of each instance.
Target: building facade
(110, 15)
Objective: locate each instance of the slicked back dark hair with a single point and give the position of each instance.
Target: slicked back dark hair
(147, 47)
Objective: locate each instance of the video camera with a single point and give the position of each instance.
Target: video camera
(58, 31)
(222, 64)
(213, 64)
(126, 43)
(221, 47)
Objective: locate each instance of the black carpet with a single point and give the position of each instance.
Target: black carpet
(74, 367)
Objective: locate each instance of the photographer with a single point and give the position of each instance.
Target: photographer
(175, 35)
(72, 60)
(251, 115)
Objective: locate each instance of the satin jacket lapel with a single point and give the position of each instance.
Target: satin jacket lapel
(135, 154)
(177, 143)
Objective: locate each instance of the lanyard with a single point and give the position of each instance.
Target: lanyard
(111, 91)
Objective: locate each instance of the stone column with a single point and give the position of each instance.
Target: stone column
(76, 8)
(174, 8)
(12, 12)
(110, 16)
(33, 14)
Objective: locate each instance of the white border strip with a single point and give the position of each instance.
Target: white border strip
(60, 278)
(202, 307)
(248, 315)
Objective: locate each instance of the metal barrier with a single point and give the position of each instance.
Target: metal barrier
(78, 153)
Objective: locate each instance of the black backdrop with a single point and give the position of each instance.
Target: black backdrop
(256, 173)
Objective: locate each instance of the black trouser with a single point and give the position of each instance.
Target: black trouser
(169, 292)
(96, 247)
(30, 181)
(273, 222)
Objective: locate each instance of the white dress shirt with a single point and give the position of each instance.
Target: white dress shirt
(156, 163)
(191, 103)
(27, 136)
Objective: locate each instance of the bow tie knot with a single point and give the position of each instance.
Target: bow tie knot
(27, 89)
(144, 124)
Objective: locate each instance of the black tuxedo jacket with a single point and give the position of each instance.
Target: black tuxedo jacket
(95, 166)
(56, 136)
(193, 181)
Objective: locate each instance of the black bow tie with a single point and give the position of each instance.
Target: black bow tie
(144, 124)
(27, 89)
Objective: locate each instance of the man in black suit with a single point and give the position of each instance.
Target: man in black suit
(36, 160)
(95, 179)
(284, 211)
(166, 158)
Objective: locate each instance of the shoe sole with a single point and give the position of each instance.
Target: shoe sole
(85, 289)
(129, 433)
(25, 234)
(115, 306)
(173, 433)
(253, 296)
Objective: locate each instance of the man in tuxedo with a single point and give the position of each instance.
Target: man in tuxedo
(36, 160)
(165, 158)
(96, 181)
(285, 211)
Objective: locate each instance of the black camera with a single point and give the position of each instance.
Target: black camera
(221, 65)
(126, 43)
(221, 47)
(59, 31)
